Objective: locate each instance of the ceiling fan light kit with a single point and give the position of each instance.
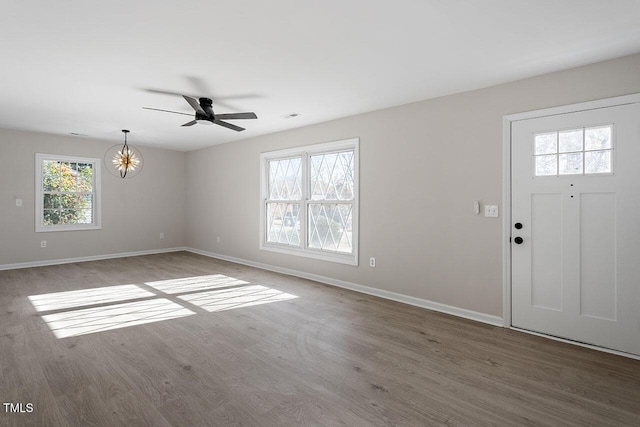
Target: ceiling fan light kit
(204, 114)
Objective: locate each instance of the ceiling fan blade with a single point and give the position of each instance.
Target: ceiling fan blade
(228, 125)
(167, 111)
(236, 116)
(191, 123)
(194, 104)
(162, 92)
(240, 96)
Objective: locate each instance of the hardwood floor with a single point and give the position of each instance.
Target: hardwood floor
(225, 344)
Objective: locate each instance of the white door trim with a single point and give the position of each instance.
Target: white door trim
(506, 178)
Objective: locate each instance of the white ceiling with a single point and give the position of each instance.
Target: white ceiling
(90, 66)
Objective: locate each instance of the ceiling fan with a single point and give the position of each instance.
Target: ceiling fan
(205, 114)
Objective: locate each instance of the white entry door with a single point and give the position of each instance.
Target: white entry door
(575, 247)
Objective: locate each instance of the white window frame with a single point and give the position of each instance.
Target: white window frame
(305, 152)
(39, 193)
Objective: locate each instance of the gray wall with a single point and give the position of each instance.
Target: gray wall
(134, 211)
(421, 167)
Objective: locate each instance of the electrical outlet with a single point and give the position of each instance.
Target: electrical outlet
(162, 235)
(43, 243)
(218, 239)
(372, 262)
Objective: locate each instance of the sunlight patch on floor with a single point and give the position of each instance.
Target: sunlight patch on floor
(190, 284)
(82, 297)
(112, 307)
(98, 319)
(244, 296)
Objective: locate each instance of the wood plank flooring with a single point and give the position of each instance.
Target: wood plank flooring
(273, 350)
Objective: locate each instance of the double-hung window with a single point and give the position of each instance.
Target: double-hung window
(309, 203)
(67, 193)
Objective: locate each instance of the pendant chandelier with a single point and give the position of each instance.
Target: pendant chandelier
(124, 161)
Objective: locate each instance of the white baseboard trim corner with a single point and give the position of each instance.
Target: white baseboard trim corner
(87, 258)
(394, 296)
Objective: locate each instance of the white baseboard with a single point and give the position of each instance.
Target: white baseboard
(394, 296)
(87, 258)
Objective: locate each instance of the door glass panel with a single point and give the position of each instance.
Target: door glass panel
(570, 164)
(597, 161)
(597, 138)
(546, 143)
(546, 165)
(570, 140)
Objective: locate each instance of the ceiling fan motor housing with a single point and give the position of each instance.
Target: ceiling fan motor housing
(207, 106)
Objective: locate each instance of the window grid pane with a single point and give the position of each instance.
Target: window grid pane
(85, 177)
(330, 227)
(283, 223)
(285, 179)
(573, 152)
(332, 176)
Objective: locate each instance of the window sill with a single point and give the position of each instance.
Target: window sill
(46, 229)
(349, 259)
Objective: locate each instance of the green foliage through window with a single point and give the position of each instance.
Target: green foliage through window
(68, 195)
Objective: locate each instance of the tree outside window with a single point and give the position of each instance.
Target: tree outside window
(67, 193)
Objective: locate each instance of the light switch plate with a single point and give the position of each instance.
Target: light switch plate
(18, 202)
(491, 211)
